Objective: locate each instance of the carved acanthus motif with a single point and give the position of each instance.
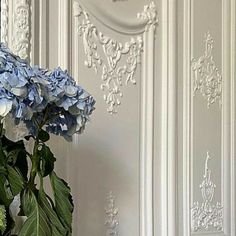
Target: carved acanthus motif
(4, 21)
(149, 14)
(111, 213)
(114, 75)
(206, 77)
(21, 28)
(207, 215)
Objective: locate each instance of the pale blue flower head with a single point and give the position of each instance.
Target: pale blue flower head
(29, 92)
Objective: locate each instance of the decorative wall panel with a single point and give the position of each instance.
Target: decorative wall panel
(16, 26)
(4, 21)
(119, 58)
(21, 28)
(206, 77)
(152, 154)
(111, 221)
(207, 214)
(114, 76)
(207, 208)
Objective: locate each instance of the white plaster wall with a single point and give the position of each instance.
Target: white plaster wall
(152, 153)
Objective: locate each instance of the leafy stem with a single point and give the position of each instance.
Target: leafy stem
(35, 159)
(35, 163)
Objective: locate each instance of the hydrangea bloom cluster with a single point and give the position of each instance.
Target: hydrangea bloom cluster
(37, 96)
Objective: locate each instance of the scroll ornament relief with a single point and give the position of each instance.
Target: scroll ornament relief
(21, 28)
(206, 77)
(150, 15)
(207, 215)
(111, 213)
(4, 21)
(114, 75)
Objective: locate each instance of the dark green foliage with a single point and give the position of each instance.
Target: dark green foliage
(43, 136)
(45, 216)
(47, 159)
(63, 200)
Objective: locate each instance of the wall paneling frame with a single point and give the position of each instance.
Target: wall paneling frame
(158, 158)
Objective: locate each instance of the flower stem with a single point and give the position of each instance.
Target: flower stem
(35, 159)
(35, 163)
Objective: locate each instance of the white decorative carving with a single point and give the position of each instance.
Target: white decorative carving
(149, 14)
(114, 76)
(4, 21)
(111, 213)
(21, 28)
(206, 77)
(207, 215)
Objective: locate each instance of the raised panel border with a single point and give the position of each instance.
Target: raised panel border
(228, 123)
(148, 20)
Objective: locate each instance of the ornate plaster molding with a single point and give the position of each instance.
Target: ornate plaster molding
(149, 15)
(111, 221)
(207, 215)
(206, 77)
(114, 74)
(4, 21)
(21, 28)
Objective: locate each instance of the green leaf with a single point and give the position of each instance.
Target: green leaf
(47, 159)
(43, 136)
(57, 227)
(63, 200)
(15, 179)
(22, 164)
(12, 156)
(3, 170)
(10, 145)
(6, 196)
(10, 224)
(3, 219)
(37, 223)
(2, 157)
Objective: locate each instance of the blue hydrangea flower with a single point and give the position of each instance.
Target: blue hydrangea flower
(28, 93)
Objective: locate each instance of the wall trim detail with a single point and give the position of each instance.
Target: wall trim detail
(233, 120)
(16, 26)
(114, 75)
(4, 21)
(169, 149)
(149, 15)
(207, 215)
(111, 221)
(21, 29)
(206, 77)
(147, 122)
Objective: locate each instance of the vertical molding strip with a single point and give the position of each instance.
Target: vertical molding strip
(172, 119)
(226, 129)
(4, 21)
(147, 125)
(32, 26)
(21, 28)
(147, 121)
(233, 162)
(187, 98)
(16, 26)
(164, 123)
(43, 33)
(63, 39)
(169, 119)
(64, 9)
